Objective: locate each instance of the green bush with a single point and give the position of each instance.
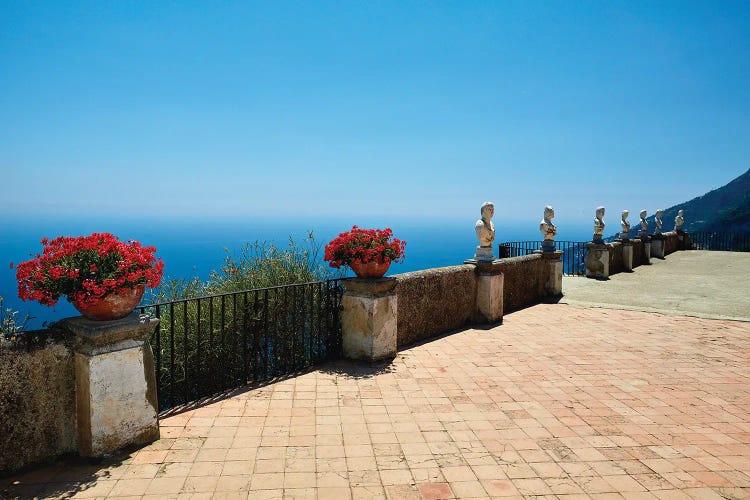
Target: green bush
(258, 265)
(240, 333)
(10, 324)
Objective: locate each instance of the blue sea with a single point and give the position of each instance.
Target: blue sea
(197, 246)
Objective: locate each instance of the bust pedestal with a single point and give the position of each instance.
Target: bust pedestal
(489, 305)
(646, 247)
(657, 246)
(627, 254)
(368, 319)
(116, 401)
(554, 273)
(597, 261)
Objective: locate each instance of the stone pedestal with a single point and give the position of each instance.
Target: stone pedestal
(368, 319)
(489, 306)
(685, 242)
(554, 273)
(116, 401)
(597, 261)
(548, 246)
(484, 254)
(646, 240)
(627, 255)
(657, 246)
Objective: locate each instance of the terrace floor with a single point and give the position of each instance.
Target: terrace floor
(560, 401)
(696, 283)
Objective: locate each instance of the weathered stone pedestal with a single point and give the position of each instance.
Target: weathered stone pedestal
(116, 401)
(368, 319)
(597, 261)
(553, 283)
(627, 255)
(657, 246)
(646, 240)
(489, 306)
(686, 243)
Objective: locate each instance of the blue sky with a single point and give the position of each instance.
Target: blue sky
(388, 109)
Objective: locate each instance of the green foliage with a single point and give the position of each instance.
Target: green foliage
(258, 265)
(10, 324)
(240, 333)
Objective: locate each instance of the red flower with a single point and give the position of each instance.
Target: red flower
(364, 245)
(86, 269)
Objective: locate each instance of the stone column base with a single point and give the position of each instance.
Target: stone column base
(116, 401)
(646, 250)
(553, 283)
(489, 304)
(657, 247)
(627, 255)
(369, 319)
(597, 261)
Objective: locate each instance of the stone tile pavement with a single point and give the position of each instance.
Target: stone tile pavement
(558, 402)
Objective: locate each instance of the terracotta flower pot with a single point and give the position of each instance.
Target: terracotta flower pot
(370, 269)
(113, 306)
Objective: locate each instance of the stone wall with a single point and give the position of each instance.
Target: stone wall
(671, 242)
(37, 405)
(434, 301)
(523, 281)
(615, 258)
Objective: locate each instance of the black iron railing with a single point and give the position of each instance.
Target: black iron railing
(208, 345)
(573, 257)
(726, 241)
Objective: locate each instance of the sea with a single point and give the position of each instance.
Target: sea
(196, 246)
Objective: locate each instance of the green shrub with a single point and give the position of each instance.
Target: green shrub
(258, 265)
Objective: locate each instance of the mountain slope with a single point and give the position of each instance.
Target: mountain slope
(724, 209)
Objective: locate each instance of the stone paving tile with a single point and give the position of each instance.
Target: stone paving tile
(558, 402)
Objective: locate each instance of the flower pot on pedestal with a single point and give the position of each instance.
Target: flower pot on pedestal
(113, 306)
(370, 269)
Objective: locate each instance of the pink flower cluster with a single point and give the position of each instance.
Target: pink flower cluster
(361, 246)
(86, 269)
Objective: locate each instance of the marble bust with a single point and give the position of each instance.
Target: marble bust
(678, 221)
(485, 230)
(644, 222)
(657, 221)
(598, 225)
(624, 235)
(548, 229)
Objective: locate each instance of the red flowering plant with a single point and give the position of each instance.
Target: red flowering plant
(361, 246)
(86, 269)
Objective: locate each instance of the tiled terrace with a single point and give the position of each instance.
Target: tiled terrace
(559, 401)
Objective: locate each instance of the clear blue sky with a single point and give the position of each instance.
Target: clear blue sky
(420, 109)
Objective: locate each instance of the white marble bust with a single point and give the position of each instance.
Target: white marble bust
(546, 227)
(644, 222)
(598, 225)
(678, 221)
(485, 230)
(657, 221)
(625, 225)
(484, 227)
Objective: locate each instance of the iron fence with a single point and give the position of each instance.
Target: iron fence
(573, 257)
(726, 241)
(206, 345)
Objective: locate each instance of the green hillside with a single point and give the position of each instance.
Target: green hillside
(724, 209)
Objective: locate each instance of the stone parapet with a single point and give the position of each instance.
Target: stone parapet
(627, 255)
(657, 246)
(369, 319)
(434, 301)
(489, 301)
(116, 402)
(37, 403)
(597, 261)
